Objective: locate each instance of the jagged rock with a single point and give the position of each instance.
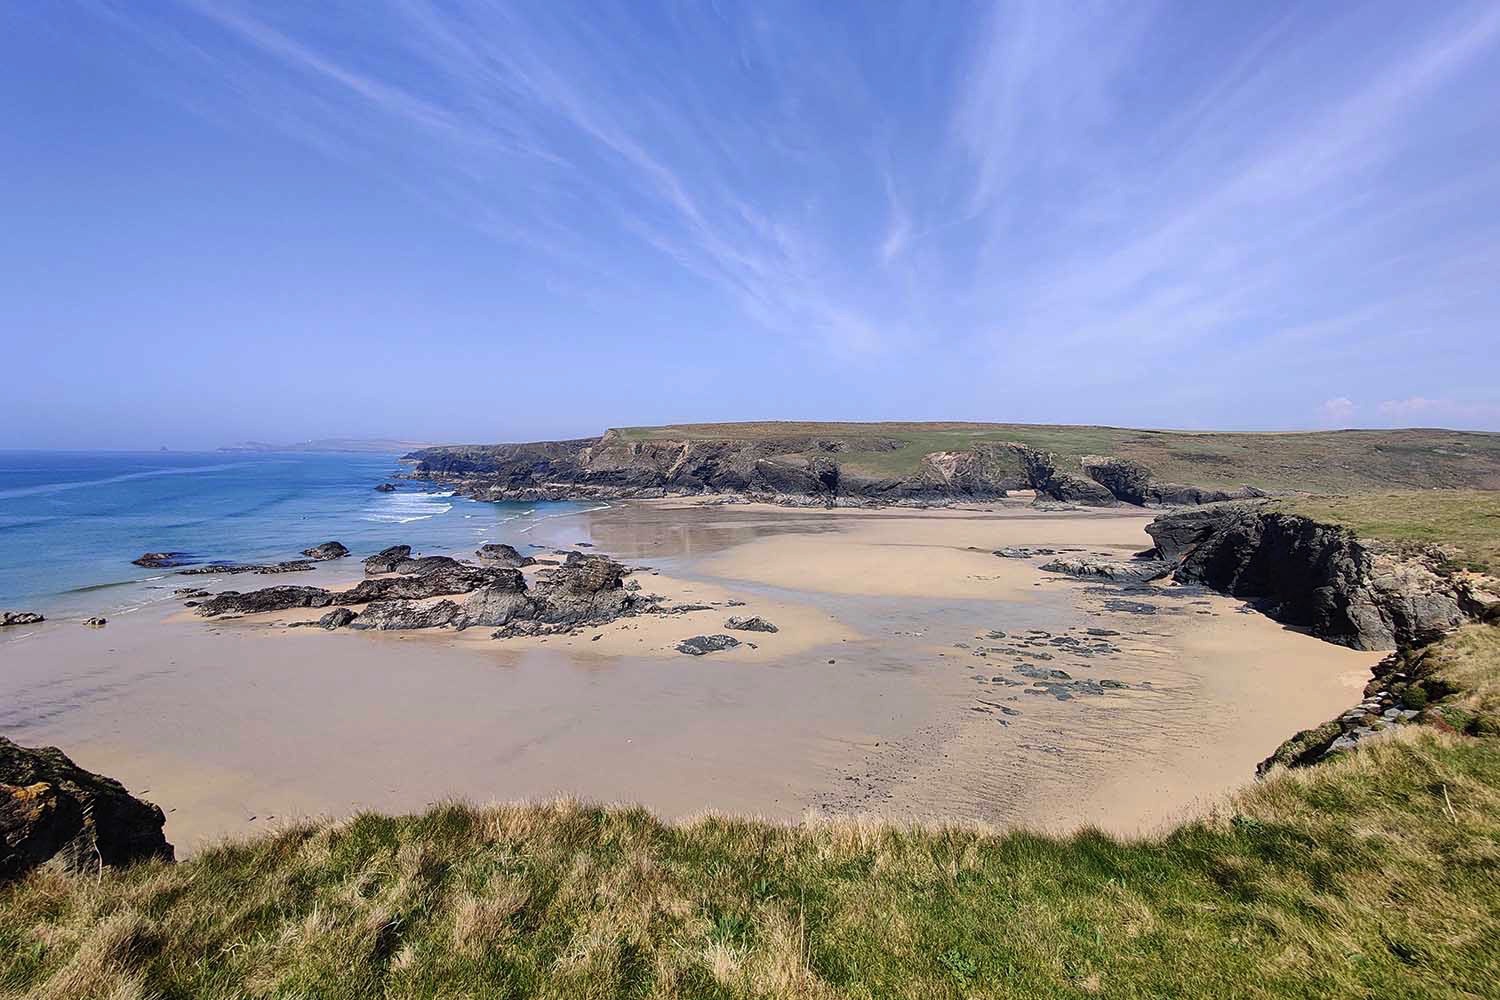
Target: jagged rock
(496, 607)
(260, 601)
(1126, 480)
(1315, 575)
(754, 624)
(440, 577)
(387, 615)
(587, 574)
(54, 812)
(386, 488)
(19, 618)
(504, 555)
(328, 550)
(1136, 571)
(386, 560)
(96, 622)
(337, 618)
(1050, 481)
(162, 560)
(1011, 552)
(698, 645)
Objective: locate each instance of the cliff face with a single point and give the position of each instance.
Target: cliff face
(814, 468)
(1315, 575)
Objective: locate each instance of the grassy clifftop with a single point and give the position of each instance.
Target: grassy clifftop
(1368, 876)
(1321, 461)
(1466, 521)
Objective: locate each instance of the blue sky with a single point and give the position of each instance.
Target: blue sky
(489, 221)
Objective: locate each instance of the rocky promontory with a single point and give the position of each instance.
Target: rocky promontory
(1319, 576)
(54, 812)
(794, 470)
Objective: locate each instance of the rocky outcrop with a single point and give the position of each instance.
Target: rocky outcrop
(1315, 575)
(1044, 476)
(1133, 483)
(503, 555)
(386, 560)
(96, 622)
(436, 576)
(232, 602)
(19, 618)
(328, 550)
(406, 615)
(386, 488)
(54, 812)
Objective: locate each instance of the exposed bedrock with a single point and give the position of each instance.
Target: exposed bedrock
(386, 560)
(1315, 575)
(54, 812)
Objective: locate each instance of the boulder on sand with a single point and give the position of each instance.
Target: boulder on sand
(447, 577)
(19, 618)
(54, 812)
(328, 550)
(337, 618)
(754, 624)
(698, 645)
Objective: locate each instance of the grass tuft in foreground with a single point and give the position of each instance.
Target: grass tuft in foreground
(1374, 875)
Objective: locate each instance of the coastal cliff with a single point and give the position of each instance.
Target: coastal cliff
(814, 469)
(851, 464)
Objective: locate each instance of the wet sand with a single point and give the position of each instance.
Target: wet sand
(885, 692)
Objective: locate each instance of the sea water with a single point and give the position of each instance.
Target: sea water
(71, 522)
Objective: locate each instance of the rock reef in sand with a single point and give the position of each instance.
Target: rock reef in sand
(8, 618)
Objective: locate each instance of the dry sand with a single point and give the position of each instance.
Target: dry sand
(882, 693)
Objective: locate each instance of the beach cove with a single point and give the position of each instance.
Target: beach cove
(893, 687)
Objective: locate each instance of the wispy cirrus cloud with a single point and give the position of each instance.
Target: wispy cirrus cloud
(1165, 207)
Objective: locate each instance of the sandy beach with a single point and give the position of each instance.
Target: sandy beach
(902, 683)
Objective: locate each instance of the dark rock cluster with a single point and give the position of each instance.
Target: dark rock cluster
(19, 618)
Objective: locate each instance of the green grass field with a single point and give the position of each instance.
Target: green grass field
(1467, 521)
(1370, 876)
(1322, 461)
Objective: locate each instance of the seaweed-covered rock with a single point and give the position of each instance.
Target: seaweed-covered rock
(328, 550)
(54, 812)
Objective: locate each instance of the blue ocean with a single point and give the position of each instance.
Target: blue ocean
(71, 522)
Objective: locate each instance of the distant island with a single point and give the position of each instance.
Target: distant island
(374, 446)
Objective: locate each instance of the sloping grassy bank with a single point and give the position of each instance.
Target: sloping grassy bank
(1373, 875)
(1467, 522)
